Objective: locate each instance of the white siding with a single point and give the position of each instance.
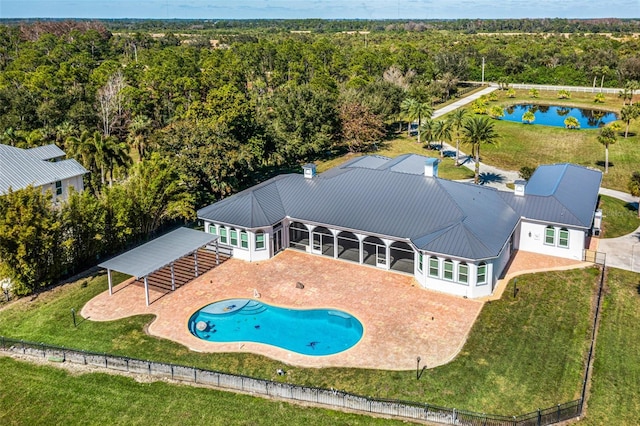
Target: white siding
(532, 238)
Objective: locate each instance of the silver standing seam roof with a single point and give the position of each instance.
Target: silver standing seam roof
(20, 168)
(156, 254)
(392, 198)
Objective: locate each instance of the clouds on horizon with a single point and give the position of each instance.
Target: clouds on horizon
(329, 9)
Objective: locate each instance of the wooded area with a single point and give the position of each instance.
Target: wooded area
(171, 120)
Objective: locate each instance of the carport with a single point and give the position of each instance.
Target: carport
(142, 261)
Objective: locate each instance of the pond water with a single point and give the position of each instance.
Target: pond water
(552, 115)
(313, 332)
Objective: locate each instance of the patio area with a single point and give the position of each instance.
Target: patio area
(401, 320)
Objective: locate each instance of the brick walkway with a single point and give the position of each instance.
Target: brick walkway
(401, 320)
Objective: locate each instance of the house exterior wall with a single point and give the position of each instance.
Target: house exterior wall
(472, 289)
(75, 182)
(251, 252)
(532, 238)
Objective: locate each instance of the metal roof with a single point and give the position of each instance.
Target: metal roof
(393, 199)
(46, 152)
(559, 193)
(19, 169)
(156, 254)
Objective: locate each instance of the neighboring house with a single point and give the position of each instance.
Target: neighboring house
(396, 214)
(43, 167)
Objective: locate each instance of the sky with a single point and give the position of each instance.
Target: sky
(326, 9)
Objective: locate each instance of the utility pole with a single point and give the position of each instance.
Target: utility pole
(483, 70)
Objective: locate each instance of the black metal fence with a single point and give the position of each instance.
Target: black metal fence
(328, 397)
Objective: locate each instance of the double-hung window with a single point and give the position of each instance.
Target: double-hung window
(434, 267)
(447, 269)
(563, 238)
(463, 273)
(244, 240)
(420, 262)
(234, 238)
(481, 277)
(223, 235)
(212, 229)
(58, 188)
(550, 235)
(259, 240)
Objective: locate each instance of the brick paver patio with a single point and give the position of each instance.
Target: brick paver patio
(401, 320)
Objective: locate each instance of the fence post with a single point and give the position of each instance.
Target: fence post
(195, 375)
(106, 363)
(149, 367)
(44, 353)
(126, 360)
(171, 371)
(539, 417)
(558, 412)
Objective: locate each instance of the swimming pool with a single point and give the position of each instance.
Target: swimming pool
(312, 332)
(553, 115)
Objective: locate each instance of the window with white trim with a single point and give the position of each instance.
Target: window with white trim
(212, 229)
(550, 235)
(481, 276)
(244, 240)
(447, 270)
(420, 260)
(563, 238)
(58, 188)
(233, 237)
(260, 240)
(463, 273)
(434, 267)
(223, 235)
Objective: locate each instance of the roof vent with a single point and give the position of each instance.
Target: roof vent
(309, 170)
(519, 186)
(431, 167)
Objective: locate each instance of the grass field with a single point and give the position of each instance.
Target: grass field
(35, 395)
(500, 370)
(532, 145)
(619, 217)
(616, 370)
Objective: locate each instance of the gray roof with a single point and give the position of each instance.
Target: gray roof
(389, 198)
(156, 254)
(559, 193)
(20, 168)
(46, 152)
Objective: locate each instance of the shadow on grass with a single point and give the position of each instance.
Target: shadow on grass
(602, 164)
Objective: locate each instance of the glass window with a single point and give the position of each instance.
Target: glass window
(448, 270)
(223, 235)
(550, 235)
(563, 238)
(420, 262)
(259, 240)
(58, 187)
(212, 229)
(482, 273)
(234, 237)
(244, 239)
(434, 267)
(463, 273)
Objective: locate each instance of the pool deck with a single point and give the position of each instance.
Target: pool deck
(401, 320)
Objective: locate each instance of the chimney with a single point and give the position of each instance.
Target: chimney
(519, 186)
(431, 167)
(309, 170)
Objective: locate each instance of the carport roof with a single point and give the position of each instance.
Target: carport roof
(149, 257)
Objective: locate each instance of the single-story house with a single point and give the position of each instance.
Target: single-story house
(43, 167)
(397, 214)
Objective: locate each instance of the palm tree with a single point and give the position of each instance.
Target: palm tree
(627, 114)
(416, 110)
(457, 118)
(607, 137)
(571, 123)
(82, 148)
(117, 155)
(634, 187)
(138, 130)
(496, 112)
(478, 130)
(528, 117)
(442, 133)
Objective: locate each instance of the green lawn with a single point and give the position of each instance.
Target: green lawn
(34, 394)
(615, 384)
(522, 353)
(532, 145)
(619, 217)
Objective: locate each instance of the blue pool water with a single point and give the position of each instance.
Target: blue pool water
(551, 115)
(310, 332)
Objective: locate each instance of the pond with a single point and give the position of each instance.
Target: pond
(552, 115)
